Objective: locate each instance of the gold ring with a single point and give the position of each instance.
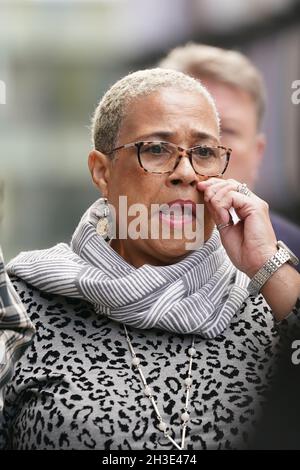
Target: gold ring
(221, 226)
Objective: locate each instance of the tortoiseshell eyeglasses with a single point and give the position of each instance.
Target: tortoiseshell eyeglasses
(163, 157)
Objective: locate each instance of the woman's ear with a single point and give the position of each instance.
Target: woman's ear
(99, 166)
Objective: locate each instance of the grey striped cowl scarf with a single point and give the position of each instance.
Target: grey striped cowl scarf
(198, 295)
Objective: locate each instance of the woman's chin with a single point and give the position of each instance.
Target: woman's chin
(173, 249)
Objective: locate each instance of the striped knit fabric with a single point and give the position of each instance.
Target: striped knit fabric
(199, 294)
(16, 330)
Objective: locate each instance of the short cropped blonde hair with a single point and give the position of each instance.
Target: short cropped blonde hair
(111, 110)
(222, 65)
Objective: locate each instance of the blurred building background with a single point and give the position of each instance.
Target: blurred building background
(57, 57)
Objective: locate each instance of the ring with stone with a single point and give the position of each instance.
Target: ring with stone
(243, 189)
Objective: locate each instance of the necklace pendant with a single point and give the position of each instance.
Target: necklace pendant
(162, 426)
(147, 391)
(188, 382)
(192, 352)
(185, 417)
(135, 361)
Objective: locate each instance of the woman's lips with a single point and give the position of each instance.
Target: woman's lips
(178, 213)
(176, 221)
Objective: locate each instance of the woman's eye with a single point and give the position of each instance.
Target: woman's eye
(156, 149)
(204, 152)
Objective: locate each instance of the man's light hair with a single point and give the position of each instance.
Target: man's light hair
(111, 110)
(222, 65)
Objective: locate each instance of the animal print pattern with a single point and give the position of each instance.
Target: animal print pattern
(75, 388)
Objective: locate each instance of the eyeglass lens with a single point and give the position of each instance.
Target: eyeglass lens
(162, 157)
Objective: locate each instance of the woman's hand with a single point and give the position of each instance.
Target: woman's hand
(250, 242)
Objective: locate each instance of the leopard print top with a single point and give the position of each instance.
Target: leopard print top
(75, 388)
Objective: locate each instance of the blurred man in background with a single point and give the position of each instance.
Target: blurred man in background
(239, 92)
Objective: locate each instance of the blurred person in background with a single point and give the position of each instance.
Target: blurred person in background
(16, 330)
(239, 92)
(140, 342)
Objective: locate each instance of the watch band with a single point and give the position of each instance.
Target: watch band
(293, 258)
(282, 256)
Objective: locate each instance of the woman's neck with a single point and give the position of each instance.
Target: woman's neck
(137, 257)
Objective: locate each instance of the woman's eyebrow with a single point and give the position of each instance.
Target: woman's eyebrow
(165, 135)
(160, 135)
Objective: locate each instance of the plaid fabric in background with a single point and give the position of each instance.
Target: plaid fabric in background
(16, 330)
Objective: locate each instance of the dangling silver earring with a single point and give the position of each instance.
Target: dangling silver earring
(103, 223)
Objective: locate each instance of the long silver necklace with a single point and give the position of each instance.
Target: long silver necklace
(162, 426)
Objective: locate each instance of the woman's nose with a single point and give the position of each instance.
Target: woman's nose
(184, 172)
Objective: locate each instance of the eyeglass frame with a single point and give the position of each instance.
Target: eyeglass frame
(188, 153)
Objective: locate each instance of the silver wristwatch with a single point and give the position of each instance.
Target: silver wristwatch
(283, 255)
